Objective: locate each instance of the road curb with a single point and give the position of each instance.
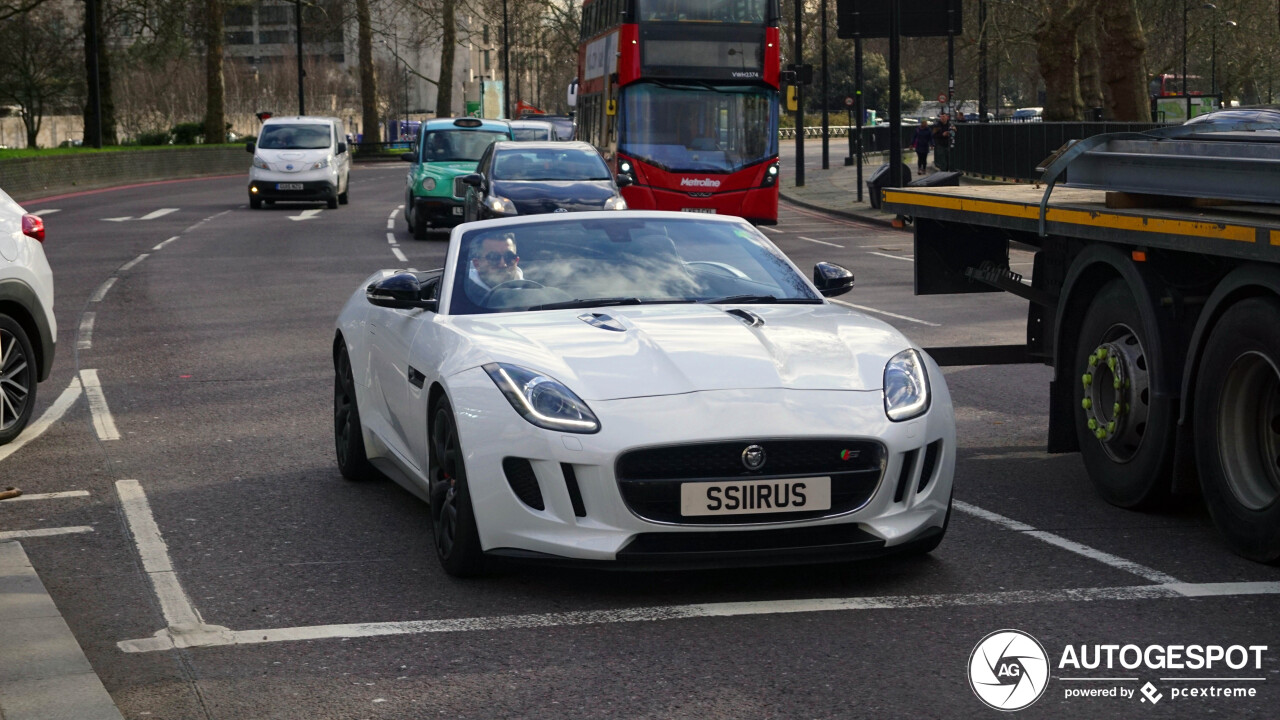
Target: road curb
(886, 220)
(43, 671)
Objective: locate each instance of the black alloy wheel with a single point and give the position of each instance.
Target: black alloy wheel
(453, 523)
(17, 379)
(348, 439)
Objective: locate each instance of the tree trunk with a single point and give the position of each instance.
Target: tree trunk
(98, 85)
(368, 80)
(1057, 48)
(215, 121)
(1124, 67)
(449, 48)
(1090, 71)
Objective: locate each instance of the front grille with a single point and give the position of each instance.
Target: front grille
(649, 479)
(459, 188)
(700, 194)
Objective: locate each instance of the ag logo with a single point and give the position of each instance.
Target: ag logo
(1008, 670)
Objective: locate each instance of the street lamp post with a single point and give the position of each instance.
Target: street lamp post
(1214, 70)
(297, 21)
(1186, 10)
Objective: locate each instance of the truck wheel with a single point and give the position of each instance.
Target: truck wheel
(1237, 428)
(1125, 431)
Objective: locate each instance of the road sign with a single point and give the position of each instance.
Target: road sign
(848, 101)
(942, 98)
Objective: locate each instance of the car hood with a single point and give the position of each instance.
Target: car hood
(532, 197)
(677, 349)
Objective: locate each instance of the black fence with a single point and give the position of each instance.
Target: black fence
(1014, 150)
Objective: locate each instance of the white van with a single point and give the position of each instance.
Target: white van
(301, 159)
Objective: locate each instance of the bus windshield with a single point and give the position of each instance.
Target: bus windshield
(728, 11)
(683, 128)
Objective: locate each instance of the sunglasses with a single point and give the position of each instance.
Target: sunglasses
(494, 258)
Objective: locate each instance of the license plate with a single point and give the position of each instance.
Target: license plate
(288, 186)
(457, 211)
(709, 211)
(751, 497)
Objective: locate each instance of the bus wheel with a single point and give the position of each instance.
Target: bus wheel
(1125, 431)
(1237, 428)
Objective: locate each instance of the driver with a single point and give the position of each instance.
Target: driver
(494, 260)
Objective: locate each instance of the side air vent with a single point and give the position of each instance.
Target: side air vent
(931, 455)
(575, 493)
(523, 482)
(904, 476)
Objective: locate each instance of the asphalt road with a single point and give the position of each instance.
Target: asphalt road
(208, 330)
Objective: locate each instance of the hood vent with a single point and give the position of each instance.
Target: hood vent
(602, 321)
(746, 316)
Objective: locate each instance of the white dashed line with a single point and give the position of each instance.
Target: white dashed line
(895, 316)
(101, 292)
(118, 219)
(103, 423)
(820, 242)
(44, 532)
(174, 602)
(772, 230)
(49, 496)
(893, 257)
(84, 338)
(50, 416)
(392, 216)
(399, 255)
(43, 213)
(308, 214)
(1119, 563)
(391, 223)
(130, 265)
(166, 242)
(158, 213)
(391, 238)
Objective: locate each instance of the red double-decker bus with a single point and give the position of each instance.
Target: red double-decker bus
(681, 97)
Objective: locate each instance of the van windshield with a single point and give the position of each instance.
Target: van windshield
(294, 137)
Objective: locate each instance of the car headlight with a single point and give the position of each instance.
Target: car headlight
(615, 203)
(906, 386)
(321, 164)
(502, 205)
(541, 400)
(260, 163)
(428, 184)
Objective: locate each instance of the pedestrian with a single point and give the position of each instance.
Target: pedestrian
(922, 141)
(943, 138)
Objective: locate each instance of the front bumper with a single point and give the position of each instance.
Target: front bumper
(308, 190)
(585, 516)
(439, 211)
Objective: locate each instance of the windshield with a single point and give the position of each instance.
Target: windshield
(623, 261)
(696, 129)
(457, 145)
(295, 137)
(532, 133)
(734, 11)
(549, 164)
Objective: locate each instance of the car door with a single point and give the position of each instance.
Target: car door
(391, 332)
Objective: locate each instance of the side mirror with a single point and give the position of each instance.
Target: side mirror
(402, 291)
(409, 157)
(624, 180)
(250, 146)
(342, 147)
(474, 180)
(831, 279)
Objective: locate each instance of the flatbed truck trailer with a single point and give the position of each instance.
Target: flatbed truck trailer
(1160, 316)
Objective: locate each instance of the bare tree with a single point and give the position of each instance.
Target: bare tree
(215, 121)
(368, 78)
(36, 73)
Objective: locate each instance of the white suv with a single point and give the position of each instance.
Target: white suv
(28, 331)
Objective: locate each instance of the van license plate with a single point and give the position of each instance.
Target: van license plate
(288, 186)
(750, 497)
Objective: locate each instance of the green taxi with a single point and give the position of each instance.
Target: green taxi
(446, 149)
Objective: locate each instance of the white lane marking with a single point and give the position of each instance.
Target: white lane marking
(44, 532)
(896, 316)
(43, 213)
(1118, 563)
(132, 263)
(118, 219)
(820, 242)
(893, 257)
(167, 641)
(391, 238)
(101, 292)
(158, 213)
(174, 603)
(392, 216)
(307, 214)
(391, 223)
(887, 246)
(166, 242)
(49, 496)
(50, 416)
(773, 230)
(400, 207)
(399, 255)
(84, 338)
(103, 423)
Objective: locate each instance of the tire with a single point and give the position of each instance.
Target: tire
(418, 226)
(453, 522)
(332, 203)
(1129, 455)
(1237, 428)
(255, 203)
(348, 438)
(344, 197)
(17, 379)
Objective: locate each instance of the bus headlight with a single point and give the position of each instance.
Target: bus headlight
(770, 176)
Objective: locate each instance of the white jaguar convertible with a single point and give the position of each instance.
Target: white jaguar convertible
(641, 389)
